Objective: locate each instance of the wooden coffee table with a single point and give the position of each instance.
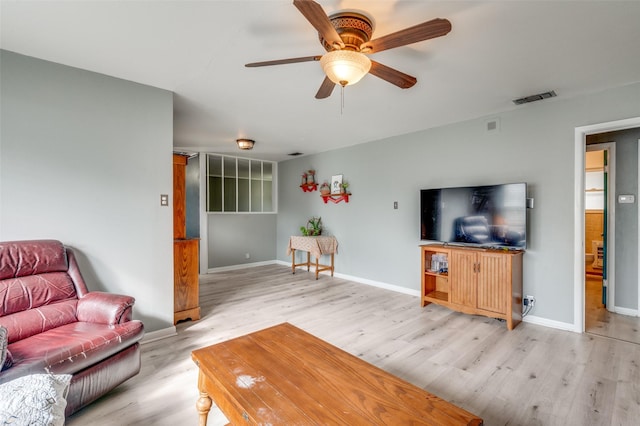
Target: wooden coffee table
(283, 375)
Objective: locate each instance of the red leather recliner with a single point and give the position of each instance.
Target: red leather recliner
(55, 324)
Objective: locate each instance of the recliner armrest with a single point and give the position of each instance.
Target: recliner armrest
(105, 308)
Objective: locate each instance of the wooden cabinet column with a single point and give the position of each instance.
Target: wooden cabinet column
(186, 303)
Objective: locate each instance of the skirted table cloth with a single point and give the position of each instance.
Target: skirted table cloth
(316, 246)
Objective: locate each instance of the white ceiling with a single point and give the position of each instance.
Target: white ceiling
(497, 51)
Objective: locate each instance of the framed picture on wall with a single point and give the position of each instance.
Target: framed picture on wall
(336, 184)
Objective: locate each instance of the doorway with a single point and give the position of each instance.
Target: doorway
(599, 232)
(630, 283)
(599, 241)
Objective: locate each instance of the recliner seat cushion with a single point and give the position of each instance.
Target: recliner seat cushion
(71, 347)
(32, 322)
(35, 303)
(33, 291)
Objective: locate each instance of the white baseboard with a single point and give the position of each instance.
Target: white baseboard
(551, 323)
(572, 327)
(626, 311)
(386, 286)
(242, 266)
(158, 334)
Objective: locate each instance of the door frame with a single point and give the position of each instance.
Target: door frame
(610, 243)
(580, 138)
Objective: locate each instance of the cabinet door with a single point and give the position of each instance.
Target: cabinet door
(462, 277)
(493, 282)
(185, 275)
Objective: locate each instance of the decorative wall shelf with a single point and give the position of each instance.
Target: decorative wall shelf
(335, 199)
(309, 187)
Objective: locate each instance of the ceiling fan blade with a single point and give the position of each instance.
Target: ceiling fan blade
(326, 88)
(319, 19)
(425, 31)
(284, 61)
(400, 79)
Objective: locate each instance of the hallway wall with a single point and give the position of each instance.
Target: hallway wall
(593, 228)
(626, 215)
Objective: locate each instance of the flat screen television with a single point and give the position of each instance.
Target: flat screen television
(492, 216)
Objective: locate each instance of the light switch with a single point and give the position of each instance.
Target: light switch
(626, 199)
(164, 199)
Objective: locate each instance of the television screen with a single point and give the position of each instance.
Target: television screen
(484, 216)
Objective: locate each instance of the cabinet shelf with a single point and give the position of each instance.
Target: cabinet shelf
(436, 296)
(437, 274)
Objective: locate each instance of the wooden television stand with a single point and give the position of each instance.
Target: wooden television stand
(479, 281)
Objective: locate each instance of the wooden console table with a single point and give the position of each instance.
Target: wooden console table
(315, 246)
(478, 281)
(283, 375)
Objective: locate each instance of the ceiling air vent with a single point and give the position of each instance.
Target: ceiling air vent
(294, 154)
(533, 98)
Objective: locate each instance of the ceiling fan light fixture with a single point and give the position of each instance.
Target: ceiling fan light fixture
(245, 144)
(345, 67)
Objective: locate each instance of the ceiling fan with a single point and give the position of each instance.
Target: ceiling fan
(347, 38)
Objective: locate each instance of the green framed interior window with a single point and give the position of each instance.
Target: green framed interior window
(240, 185)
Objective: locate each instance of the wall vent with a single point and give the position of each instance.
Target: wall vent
(492, 125)
(533, 98)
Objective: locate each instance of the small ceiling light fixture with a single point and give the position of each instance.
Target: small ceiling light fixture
(345, 67)
(245, 144)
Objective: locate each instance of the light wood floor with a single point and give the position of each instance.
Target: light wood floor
(599, 321)
(532, 375)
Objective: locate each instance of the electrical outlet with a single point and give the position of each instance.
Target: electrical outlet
(395, 205)
(247, 256)
(529, 300)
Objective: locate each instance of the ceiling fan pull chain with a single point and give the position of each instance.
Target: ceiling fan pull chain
(341, 99)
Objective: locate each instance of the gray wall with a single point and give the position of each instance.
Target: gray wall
(534, 144)
(83, 159)
(232, 236)
(626, 215)
(626, 252)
